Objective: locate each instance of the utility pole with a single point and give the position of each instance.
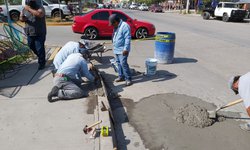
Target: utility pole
(60, 13)
(7, 9)
(187, 7)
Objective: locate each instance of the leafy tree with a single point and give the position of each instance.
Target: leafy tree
(147, 1)
(11, 2)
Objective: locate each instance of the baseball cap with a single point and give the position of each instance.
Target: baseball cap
(112, 19)
(231, 81)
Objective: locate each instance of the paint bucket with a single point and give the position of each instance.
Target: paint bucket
(164, 47)
(151, 66)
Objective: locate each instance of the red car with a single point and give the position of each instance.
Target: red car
(96, 24)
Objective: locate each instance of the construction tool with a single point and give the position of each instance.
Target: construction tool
(105, 131)
(87, 128)
(213, 114)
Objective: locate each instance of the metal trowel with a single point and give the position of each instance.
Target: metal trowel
(213, 114)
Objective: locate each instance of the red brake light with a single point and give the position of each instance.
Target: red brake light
(1, 9)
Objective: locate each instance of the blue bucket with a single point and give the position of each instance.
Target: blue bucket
(164, 47)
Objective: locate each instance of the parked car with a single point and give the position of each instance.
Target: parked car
(133, 6)
(156, 8)
(95, 24)
(143, 7)
(14, 11)
(227, 11)
(51, 9)
(56, 9)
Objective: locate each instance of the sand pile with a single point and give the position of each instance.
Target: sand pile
(193, 115)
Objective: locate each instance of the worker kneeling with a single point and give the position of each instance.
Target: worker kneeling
(67, 80)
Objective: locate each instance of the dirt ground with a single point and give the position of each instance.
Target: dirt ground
(154, 119)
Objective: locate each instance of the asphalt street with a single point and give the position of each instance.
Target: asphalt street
(207, 54)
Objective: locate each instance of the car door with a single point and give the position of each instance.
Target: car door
(127, 19)
(218, 11)
(101, 22)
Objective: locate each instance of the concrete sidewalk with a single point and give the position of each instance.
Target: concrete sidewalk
(28, 121)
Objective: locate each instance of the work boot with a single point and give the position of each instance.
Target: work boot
(119, 79)
(53, 93)
(245, 126)
(128, 83)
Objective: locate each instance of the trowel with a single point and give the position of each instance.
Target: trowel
(213, 114)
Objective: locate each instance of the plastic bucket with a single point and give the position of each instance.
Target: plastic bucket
(164, 47)
(151, 66)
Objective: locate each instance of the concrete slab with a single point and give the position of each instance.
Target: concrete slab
(33, 123)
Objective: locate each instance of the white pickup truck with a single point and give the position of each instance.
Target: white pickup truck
(226, 11)
(51, 10)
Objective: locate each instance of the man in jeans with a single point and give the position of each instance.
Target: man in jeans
(121, 42)
(33, 15)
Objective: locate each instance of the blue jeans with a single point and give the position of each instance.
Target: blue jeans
(123, 67)
(36, 44)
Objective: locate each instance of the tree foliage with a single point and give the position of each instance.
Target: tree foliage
(11, 2)
(147, 1)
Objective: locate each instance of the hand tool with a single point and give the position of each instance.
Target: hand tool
(87, 128)
(105, 131)
(213, 114)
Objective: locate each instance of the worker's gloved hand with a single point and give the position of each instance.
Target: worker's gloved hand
(91, 66)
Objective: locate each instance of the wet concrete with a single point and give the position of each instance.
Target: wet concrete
(153, 118)
(193, 115)
(92, 104)
(95, 90)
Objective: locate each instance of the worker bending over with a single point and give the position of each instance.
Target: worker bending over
(69, 48)
(66, 83)
(241, 85)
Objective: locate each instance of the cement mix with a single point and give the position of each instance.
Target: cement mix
(153, 119)
(193, 115)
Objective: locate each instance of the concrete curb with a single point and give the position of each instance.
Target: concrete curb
(53, 54)
(105, 114)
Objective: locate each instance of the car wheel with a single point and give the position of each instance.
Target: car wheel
(206, 15)
(90, 33)
(225, 17)
(57, 14)
(14, 15)
(141, 33)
